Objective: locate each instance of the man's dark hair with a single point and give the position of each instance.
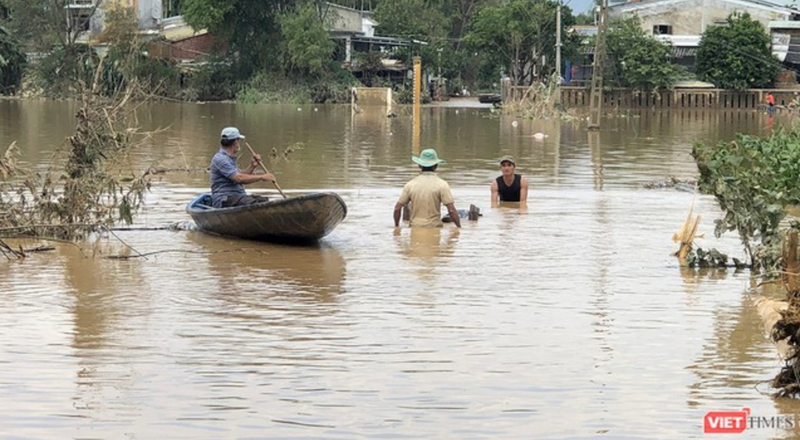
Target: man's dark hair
(227, 142)
(431, 168)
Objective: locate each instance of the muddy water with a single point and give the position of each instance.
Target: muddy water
(568, 320)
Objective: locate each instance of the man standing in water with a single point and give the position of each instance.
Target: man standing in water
(227, 181)
(509, 187)
(427, 193)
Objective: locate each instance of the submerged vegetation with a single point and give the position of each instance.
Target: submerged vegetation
(539, 101)
(755, 182)
(87, 188)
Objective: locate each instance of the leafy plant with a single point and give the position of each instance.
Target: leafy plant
(737, 55)
(12, 63)
(638, 60)
(307, 43)
(519, 36)
(92, 192)
(753, 179)
(710, 258)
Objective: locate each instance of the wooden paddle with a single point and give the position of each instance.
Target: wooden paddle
(265, 169)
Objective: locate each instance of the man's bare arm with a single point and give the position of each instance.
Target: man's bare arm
(451, 209)
(523, 192)
(398, 210)
(245, 178)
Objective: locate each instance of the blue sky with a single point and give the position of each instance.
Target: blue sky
(579, 6)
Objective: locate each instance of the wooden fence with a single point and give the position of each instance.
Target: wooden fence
(665, 99)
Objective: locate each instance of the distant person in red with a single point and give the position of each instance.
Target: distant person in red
(771, 103)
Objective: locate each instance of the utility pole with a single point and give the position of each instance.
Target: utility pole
(596, 98)
(558, 53)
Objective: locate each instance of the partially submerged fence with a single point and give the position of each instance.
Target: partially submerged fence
(675, 98)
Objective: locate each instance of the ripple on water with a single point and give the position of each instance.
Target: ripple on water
(568, 320)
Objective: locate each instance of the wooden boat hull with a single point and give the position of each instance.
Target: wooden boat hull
(302, 218)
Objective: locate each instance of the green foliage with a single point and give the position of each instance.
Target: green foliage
(59, 72)
(80, 193)
(12, 62)
(709, 258)
(39, 25)
(637, 59)
(585, 18)
(307, 43)
(370, 63)
(419, 19)
(212, 79)
(518, 34)
(753, 180)
(125, 61)
(405, 95)
(738, 55)
(273, 87)
(250, 26)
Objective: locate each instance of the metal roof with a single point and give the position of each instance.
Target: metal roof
(383, 41)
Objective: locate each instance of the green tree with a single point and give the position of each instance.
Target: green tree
(637, 59)
(308, 47)
(411, 19)
(12, 61)
(41, 25)
(585, 18)
(737, 55)
(250, 26)
(519, 36)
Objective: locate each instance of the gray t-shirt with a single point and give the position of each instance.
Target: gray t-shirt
(223, 167)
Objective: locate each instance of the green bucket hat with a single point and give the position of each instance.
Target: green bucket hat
(427, 158)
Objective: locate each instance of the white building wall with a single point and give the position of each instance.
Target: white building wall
(693, 17)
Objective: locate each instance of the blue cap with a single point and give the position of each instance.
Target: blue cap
(231, 134)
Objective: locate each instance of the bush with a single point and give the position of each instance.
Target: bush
(753, 179)
(272, 87)
(212, 80)
(12, 62)
(405, 95)
(59, 72)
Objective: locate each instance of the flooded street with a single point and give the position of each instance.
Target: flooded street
(570, 320)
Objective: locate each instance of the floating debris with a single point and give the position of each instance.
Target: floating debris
(685, 185)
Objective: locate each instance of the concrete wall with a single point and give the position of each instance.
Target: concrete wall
(148, 13)
(368, 96)
(343, 19)
(693, 17)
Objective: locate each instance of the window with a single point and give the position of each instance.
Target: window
(172, 8)
(662, 29)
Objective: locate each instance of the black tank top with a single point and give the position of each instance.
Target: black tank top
(509, 193)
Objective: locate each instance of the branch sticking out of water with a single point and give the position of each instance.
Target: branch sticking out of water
(88, 194)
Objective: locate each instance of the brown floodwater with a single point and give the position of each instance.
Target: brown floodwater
(568, 320)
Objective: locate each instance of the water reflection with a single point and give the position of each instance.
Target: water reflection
(597, 159)
(392, 327)
(110, 301)
(733, 355)
(255, 272)
(789, 408)
(427, 248)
